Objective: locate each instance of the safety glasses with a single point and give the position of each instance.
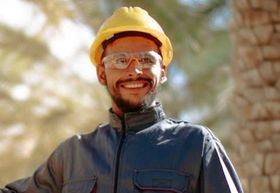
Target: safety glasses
(145, 60)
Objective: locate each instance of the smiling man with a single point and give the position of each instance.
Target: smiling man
(132, 70)
(140, 149)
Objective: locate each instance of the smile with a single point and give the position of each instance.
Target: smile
(138, 85)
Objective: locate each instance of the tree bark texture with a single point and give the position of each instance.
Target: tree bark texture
(255, 32)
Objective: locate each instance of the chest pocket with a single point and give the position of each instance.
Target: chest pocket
(80, 186)
(161, 181)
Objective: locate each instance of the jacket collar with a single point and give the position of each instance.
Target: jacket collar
(136, 121)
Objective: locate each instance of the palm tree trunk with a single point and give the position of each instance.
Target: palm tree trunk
(255, 32)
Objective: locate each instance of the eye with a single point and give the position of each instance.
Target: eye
(121, 63)
(121, 60)
(146, 60)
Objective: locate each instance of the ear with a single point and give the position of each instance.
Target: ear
(100, 72)
(163, 77)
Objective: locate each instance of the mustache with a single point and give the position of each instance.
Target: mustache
(135, 79)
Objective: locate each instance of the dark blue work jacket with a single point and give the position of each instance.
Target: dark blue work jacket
(144, 152)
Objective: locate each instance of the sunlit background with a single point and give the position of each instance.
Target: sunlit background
(48, 87)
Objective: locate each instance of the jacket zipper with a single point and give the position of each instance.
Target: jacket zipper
(118, 158)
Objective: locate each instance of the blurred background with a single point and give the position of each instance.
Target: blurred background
(49, 90)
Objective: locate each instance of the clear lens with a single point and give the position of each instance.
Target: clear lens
(122, 60)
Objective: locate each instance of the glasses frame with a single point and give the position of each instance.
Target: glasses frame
(109, 61)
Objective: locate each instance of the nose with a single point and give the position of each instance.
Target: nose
(134, 69)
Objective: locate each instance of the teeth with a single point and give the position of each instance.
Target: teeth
(133, 86)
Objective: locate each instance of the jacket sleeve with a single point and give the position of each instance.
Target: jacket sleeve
(46, 179)
(217, 173)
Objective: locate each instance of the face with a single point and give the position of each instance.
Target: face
(131, 88)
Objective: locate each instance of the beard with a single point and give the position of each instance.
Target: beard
(128, 106)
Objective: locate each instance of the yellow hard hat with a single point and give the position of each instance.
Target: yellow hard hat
(133, 19)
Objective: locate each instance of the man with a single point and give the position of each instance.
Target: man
(140, 150)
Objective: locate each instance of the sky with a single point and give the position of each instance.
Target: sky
(65, 42)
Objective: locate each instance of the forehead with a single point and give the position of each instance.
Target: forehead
(131, 44)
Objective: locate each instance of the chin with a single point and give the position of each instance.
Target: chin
(133, 104)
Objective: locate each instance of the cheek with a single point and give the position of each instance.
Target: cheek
(112, 77)
(109, 77)
(156, 73)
